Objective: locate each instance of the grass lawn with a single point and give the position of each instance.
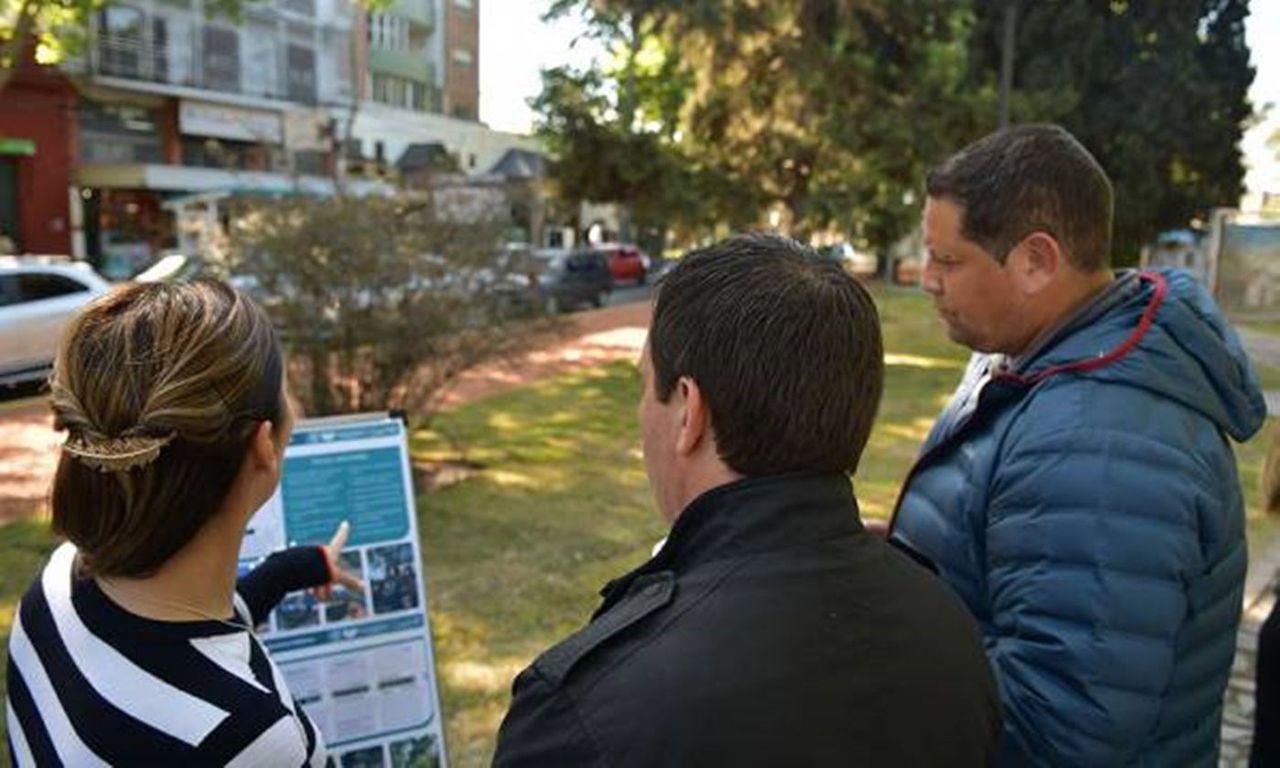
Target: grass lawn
(558, 505)
(1270, 376)
(1262, 326)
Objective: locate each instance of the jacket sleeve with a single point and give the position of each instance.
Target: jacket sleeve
(542, 728)
(1091, 538)
(282, 572)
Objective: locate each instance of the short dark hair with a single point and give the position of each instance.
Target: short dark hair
(1029, 178)
(784, 346)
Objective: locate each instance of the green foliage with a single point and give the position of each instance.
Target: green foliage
(381, 302)
(830, 111)
(614, 133)
(1156, 90)
(722, 111)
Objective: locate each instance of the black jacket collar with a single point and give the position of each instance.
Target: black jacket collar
(756, 514)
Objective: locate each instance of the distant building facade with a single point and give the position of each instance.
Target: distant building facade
(172, 102)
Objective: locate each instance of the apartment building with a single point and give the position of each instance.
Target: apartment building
(174, 106)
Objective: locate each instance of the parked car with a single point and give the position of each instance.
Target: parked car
(568, 279)
(38, 295)
(627, 263)
(851, 260)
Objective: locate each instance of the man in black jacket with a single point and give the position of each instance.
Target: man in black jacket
(770, 629)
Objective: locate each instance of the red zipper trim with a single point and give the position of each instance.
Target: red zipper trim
(1093, 364)
(1080, 366)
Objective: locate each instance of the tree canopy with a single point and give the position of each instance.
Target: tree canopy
(827, 113)
(1156, 90)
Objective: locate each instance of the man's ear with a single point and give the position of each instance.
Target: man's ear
(1036, 261)
(695, 422)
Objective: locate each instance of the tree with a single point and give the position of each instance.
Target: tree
(827, 109)
(830, 108)
(1156, 90)
(614, 133)
(381, 302)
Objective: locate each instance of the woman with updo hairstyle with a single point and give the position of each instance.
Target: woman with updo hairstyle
(135, 644)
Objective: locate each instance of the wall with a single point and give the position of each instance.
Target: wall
(462, 81)
(38, 105)
(398, 128)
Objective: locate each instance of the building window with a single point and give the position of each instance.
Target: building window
(399, 92)
(221, 59)
(159, 49)
(301, 74)
(121, 43)
(262, 58)
(117, 133)
(462, 57)
(388, 32)
(311, 162)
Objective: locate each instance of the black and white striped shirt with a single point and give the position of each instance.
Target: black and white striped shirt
(91, 684)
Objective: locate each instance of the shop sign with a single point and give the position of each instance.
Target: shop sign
(226, 122)
(17, 147)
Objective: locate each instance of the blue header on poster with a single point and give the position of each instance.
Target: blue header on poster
(340, 433)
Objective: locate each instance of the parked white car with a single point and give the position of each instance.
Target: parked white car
(38, 295)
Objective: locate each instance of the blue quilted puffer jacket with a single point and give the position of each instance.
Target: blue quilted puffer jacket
(1086, 507)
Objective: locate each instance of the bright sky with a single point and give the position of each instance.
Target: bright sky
(1263, 165)
(515, 45)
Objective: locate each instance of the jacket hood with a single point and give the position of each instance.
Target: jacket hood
(1163, 332)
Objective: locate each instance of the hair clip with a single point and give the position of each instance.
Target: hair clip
(119, 454)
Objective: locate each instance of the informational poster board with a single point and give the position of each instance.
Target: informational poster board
(362, 663)
(1248, 269)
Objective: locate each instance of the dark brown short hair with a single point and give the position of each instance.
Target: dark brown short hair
(785, 347)
(159, 387)
(1030, 178)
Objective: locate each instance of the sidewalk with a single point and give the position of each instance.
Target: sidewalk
(1264, 570)
(1264, 348)
(29, 446)
(1237, 714)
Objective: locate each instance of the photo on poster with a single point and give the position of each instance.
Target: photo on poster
(419, 752)
(368, 757)
(346, 604)
(360, 662)
(300, 609)
(393, 580)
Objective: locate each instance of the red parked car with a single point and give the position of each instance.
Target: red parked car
(627, 263)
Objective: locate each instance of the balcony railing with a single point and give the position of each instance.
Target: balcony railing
(129, 57)
(207, 61)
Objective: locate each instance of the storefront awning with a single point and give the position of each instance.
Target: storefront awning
(179, 178)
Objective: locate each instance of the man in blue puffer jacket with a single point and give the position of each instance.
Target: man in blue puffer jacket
(1079, 491)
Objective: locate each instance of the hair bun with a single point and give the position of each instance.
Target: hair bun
(117, 454)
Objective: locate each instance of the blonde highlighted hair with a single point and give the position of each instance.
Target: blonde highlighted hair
(159, 387)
